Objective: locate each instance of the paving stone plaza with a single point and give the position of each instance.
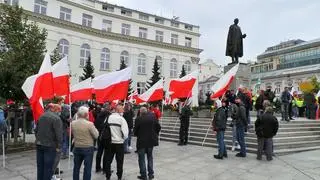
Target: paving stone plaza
(172, 162)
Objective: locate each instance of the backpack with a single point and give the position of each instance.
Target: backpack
(105, 136)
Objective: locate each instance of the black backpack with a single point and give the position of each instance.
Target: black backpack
(105, 136)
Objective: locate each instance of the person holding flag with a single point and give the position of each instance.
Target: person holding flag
(185, 114)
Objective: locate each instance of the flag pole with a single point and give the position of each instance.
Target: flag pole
(70, 120)
(3, 152)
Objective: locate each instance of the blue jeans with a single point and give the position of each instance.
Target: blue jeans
(127, 142)
(65, 144)
(80, 155)
(220, 141)
(45, 161)
(142, 162)
(241, 140)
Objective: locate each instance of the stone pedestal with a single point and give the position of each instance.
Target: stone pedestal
(242, 77)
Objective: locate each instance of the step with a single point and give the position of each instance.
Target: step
(282, 152)
(300, 144)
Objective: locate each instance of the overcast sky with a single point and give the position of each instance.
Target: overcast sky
(266, 22)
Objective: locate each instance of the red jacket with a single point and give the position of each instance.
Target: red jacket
(91, 117)
(156, 112)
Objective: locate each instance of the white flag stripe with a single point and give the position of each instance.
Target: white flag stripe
(86, 84)
(46, 65)
(222, 82)
(109, 79)
(28, 85)
(61, 68)
(146, 95)
(192, 75)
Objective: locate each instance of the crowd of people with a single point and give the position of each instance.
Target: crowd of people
(108, 126)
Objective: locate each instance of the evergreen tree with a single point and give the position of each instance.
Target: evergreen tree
(156, 74)
(25, 45)
(55, 57)
(123, 66)
(183, 72)
(88, 70)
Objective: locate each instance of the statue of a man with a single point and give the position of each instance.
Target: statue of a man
(234, 42)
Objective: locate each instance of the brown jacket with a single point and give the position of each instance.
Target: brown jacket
(84, 133)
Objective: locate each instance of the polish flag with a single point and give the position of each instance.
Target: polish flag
(43, 86)
(61, 77)
(112, 86)
(81, 91)
(154, 93)
(133, 96)
(223, 84)
(39, 86)
(182, 88)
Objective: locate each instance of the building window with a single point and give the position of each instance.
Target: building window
(141, 87)
(144, 17)
(173, 68)
(126, 12)
(188, 42)
(63, 47)
(108, 8)
(159, 36)
(143, 32)
(86, 20)
(174, 24)
(174, 39)
(106, 25)
(187, 67)
(124, 56)
(142, 64)
(40, 6)
(105, 59)
(159, 21)
(277, 88)
(65, 13)
(125, 29)
(11, 2)
(159, 60)
(270, 66)
(252, 68)
(84, 54)
(188, 27)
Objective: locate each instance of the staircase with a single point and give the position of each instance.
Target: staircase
(295, 136)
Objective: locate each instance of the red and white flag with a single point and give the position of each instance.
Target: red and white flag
(223, 84)
(81, 91)
(182, 88)
(61, 77)
(154, 93)
(133, 96)
(39, 86)
(112, 86)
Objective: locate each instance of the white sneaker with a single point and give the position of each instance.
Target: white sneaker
(54, 177)
(130, 148)
(71, 153)
(238, 147)
(233, 148)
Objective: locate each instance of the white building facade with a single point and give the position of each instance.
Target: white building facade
(109, 33)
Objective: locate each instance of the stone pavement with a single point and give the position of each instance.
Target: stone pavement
(172, 162)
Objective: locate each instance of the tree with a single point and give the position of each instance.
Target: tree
(209, 101)
(88, 70)
(123, 66)
(156, 74)
(55, 56)
(25, 45)
(183, 72)
(315, 83)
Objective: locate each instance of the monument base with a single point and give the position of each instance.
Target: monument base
(242, 77)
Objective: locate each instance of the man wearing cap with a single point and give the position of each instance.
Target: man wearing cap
(84, 133)
(48, 140)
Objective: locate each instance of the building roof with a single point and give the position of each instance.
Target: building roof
(212, 78)
(114, 5)
(286, 72)
(300, 45)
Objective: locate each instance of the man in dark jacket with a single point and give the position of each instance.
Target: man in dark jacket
(184, 124)
(259, 103)
(241, 125)
(266, 127)
(285, 100)
(219, 124)
(147, 130)
(99, 124)
(48, 140)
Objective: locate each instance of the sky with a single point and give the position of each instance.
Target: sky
(266, 22)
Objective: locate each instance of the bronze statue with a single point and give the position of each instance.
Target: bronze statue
(234, 42)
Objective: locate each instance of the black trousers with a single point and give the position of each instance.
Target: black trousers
(184, 130)
(101, 149)
(290, 110)
(301, 111)
(118, 150)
